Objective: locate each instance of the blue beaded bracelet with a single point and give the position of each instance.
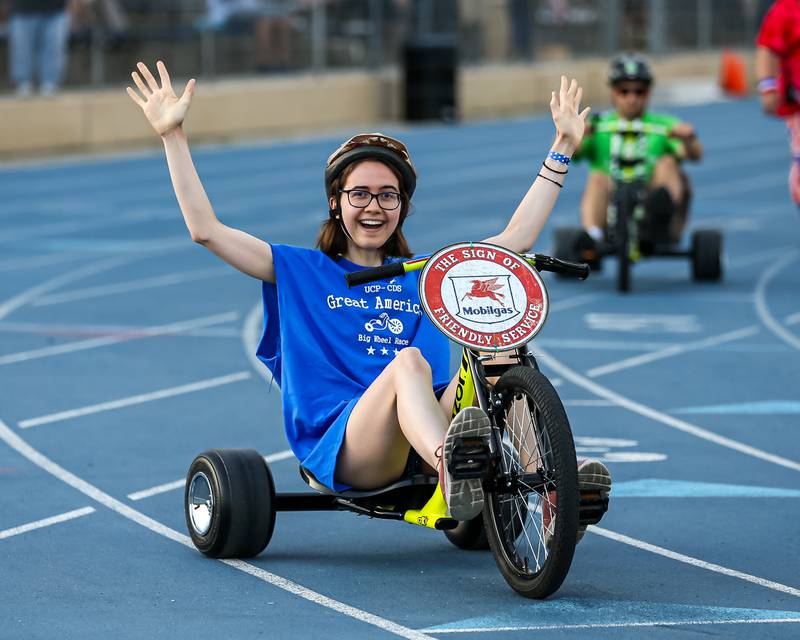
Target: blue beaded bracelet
(559, 157)
(767, 85)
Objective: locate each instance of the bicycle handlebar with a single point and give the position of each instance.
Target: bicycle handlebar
(580, 270)
(375, 273)
(634, 127)
(541, 262)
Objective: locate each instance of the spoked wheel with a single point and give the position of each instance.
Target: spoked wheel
(229, 503)
(531, 514)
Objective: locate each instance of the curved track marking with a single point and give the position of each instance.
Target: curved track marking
(761, 301)
(669, 352)
(48, 285)
(46, 522)
(615, 625)
(22, 447)
(648, 412)
(42, 461)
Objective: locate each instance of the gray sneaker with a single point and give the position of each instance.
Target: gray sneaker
(464, 460)
(593, 475)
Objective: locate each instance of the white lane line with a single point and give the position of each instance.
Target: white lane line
(588, 403)
(19, 445)
(605, 345)
(761, 302)
(35, 292)
(179, 484)
(133, 285)
(725, 189)
(574, 301)
(15, 264)
(663, 418)
(613, 625)
(46, 522)
(137, 399)
(93, 343)
(737, 262)
(695, 562)
(646, 358)
(251, 334)
(82, 330)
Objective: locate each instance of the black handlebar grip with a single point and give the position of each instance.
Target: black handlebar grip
(376, 273)
(580, 270)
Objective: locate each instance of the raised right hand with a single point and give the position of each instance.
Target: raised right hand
(164, 110)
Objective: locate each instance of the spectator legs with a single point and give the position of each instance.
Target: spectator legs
(38, 47)
(53, 52)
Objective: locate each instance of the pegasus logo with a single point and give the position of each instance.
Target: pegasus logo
(485, 289)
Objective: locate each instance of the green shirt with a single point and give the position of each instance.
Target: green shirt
(628, 148)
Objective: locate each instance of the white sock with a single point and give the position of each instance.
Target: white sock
(595, 233)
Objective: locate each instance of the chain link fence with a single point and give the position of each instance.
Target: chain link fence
(276, 37)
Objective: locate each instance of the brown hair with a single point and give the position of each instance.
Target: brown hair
(332, 240)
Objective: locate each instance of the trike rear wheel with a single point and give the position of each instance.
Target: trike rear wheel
(229, 503)
(469, 534)
(531, 512)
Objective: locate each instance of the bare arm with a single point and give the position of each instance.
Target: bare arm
(692, 148)
(166, 112)
(767, 66)
(532, 212)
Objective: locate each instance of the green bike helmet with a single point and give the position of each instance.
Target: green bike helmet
(629, 67)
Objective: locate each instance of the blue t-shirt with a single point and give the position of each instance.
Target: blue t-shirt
(325, 344)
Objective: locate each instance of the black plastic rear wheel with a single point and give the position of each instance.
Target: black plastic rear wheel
(707, 255)
(229, 503)
(625, 195)
(469, 534)
(531, 512)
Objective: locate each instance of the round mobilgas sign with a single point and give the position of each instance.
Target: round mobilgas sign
(483, 296)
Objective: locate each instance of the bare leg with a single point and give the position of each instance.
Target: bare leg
(399, 410)
(263, 36)
(668, 174)
(594, 203)
(279, 49)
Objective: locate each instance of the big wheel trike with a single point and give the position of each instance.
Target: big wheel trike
(493, 302)
(636, 228)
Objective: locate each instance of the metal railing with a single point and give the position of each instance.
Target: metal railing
(320, 35)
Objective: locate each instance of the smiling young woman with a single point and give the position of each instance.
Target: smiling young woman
(354, 423)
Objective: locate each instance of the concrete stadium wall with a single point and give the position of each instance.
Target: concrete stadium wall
(263, 107)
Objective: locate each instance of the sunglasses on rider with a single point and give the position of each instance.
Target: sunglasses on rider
(624, 91)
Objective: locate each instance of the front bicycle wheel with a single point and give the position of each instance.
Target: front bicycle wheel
(531, 511)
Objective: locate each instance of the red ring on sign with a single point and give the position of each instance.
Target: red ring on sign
(483, 296)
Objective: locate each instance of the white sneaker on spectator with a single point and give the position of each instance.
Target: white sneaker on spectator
(24, 90)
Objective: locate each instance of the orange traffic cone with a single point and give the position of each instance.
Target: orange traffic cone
(732, 74)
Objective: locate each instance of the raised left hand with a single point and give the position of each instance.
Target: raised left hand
(570, 122)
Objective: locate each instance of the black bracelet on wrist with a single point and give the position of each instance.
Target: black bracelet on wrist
(559, 185)
(555, 170)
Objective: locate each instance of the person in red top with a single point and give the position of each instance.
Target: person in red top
(778, 73)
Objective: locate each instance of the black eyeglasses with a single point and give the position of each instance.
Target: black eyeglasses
(625, 91)
(360, 198)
